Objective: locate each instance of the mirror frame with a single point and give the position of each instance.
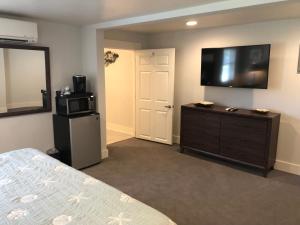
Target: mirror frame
(48, 80)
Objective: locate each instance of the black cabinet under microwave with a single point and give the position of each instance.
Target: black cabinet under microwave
(75, 104)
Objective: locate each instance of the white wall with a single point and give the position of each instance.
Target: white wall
(120, 92)
(284, 83)
(25, 77)
(36, 130)
(92, 45)
(126, 36)
(122, 45)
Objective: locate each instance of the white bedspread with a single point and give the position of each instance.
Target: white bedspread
(36, 189)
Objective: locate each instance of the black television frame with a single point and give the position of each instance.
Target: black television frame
(268, 66)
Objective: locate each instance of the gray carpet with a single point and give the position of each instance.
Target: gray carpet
(193, 190)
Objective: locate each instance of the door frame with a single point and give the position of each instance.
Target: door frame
(122, 45)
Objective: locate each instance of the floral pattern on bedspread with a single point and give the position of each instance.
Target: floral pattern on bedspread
(36, 189)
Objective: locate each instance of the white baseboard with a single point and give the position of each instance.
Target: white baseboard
(287, 167)
(104, 153)
(3, 109)
(120, 128)
(176, 139)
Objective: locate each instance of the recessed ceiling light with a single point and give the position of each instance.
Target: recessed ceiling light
(191, 23)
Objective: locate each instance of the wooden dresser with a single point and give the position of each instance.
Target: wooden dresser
(243, 136)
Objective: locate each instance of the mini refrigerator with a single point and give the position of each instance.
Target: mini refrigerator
(78, 139)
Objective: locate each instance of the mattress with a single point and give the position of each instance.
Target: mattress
(36, 189)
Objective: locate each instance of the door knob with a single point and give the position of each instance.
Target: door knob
(169, 106)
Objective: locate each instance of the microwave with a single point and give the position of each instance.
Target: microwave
(75, 104)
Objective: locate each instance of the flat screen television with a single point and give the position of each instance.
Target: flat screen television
(240, 67)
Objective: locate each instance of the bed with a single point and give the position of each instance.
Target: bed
(36, 189)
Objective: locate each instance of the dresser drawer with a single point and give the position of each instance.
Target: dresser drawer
(200, 130)
(242, 136)
(244, 139)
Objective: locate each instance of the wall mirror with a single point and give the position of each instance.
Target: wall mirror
(24, 80)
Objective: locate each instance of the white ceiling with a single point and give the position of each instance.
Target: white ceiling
(83, 12)
(278, 11)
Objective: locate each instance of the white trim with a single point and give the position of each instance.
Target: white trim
(104, 153)
(3, 109)
(120, 128)
(287, 167)
(189, 11)
(176, 139)
(134, 95)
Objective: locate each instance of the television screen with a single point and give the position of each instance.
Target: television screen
(242, 67)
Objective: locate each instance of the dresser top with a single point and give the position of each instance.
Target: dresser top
(239, 112)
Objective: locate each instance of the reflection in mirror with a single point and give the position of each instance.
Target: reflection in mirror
(22, 80)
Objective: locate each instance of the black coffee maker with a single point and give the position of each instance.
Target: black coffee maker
(79, 83)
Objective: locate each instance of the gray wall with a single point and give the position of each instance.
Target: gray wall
(36, 130)
(284, 83)
(92, 43)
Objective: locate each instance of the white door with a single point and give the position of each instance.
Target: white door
(155, 94)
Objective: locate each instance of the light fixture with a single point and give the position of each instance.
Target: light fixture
(191, 23)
